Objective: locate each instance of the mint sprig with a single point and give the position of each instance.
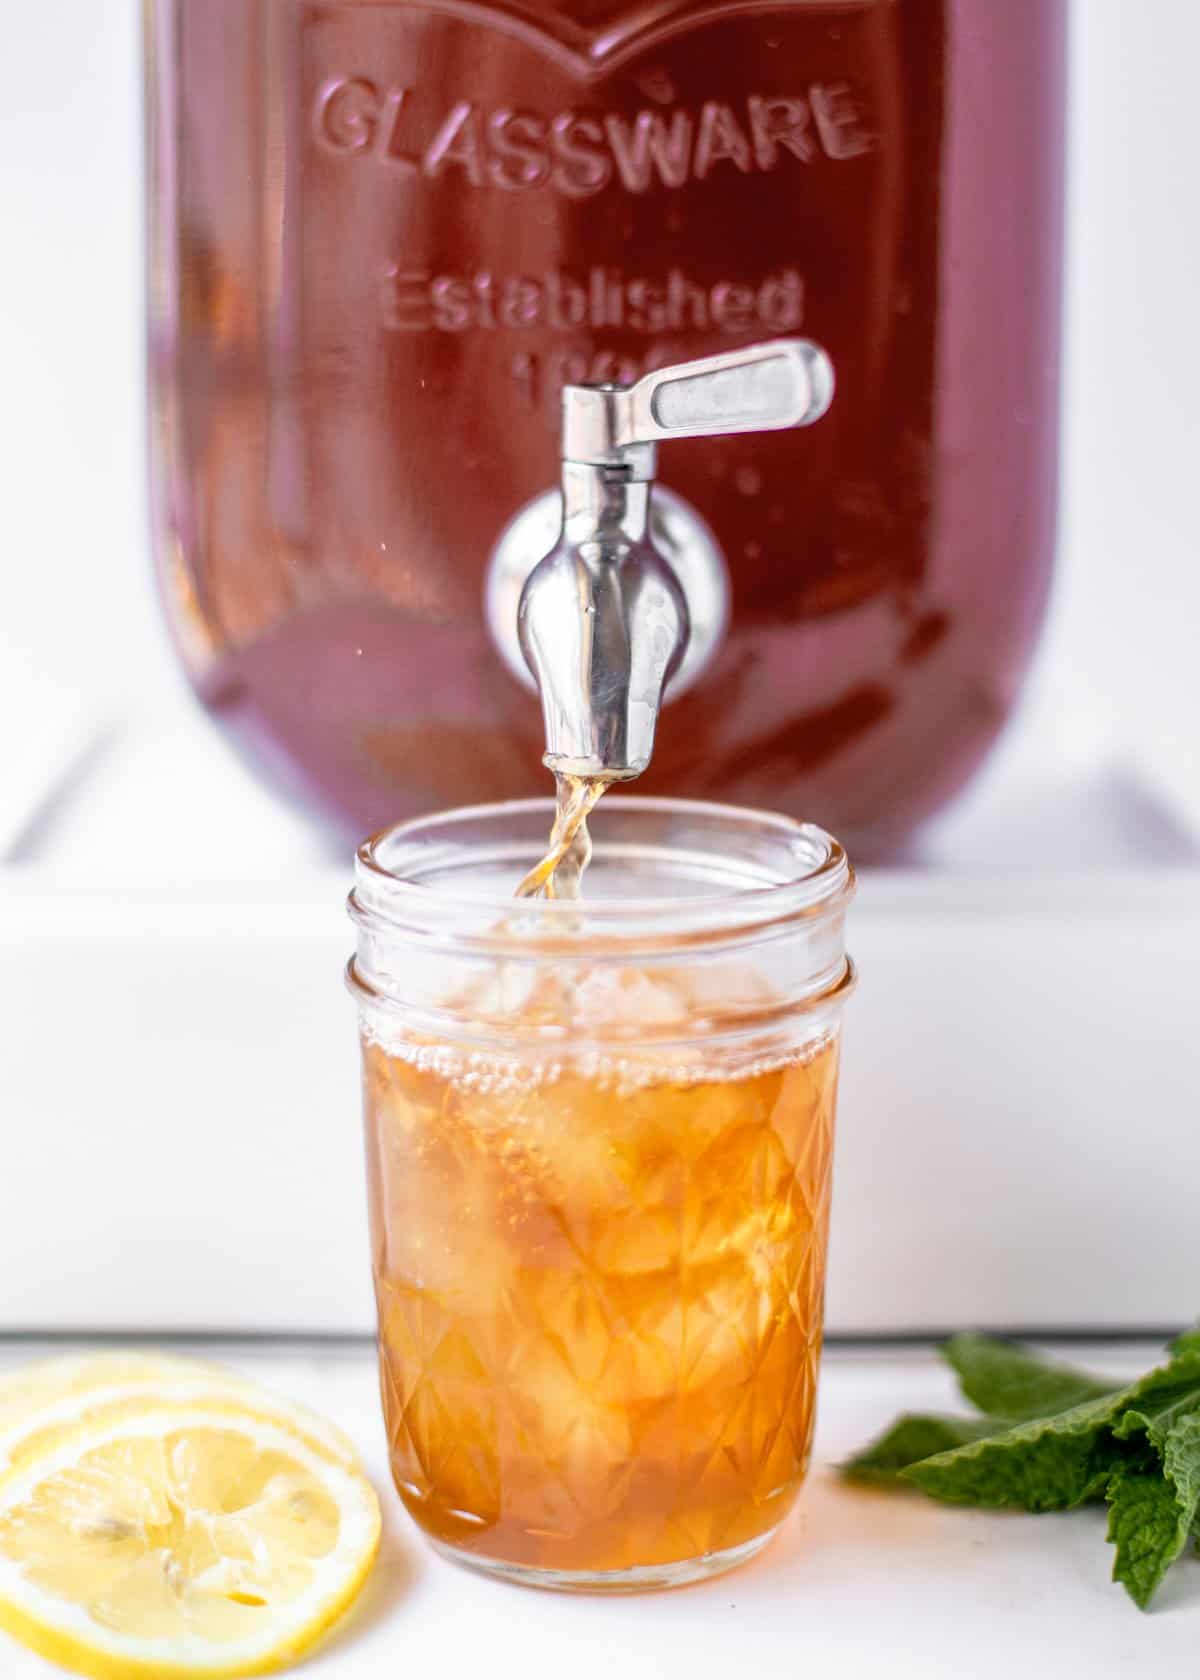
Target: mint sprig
(1052, 1438)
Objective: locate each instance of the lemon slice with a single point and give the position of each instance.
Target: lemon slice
(43, 1403)
(181, 1541)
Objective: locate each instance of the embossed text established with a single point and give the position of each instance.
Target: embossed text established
(417, 300)
(581, 152)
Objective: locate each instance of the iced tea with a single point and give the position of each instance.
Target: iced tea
(600, 1294)
(599, 1132)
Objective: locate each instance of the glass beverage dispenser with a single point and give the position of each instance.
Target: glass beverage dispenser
(384, 234)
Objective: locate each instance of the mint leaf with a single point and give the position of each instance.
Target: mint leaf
(914, 1436)
(1188, 1342)
(1153, 1504)
(1152, 1511)
(1146, 1526)
(1045, 1464)
(1010, 1381)
(1054, 1463)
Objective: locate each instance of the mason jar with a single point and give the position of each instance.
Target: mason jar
(599, 1140)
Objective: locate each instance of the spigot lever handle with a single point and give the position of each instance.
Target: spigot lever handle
(766, 387)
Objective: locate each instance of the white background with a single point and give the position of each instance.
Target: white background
(1017, 1138)
(81, 646)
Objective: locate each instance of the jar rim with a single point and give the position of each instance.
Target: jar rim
(812, 877)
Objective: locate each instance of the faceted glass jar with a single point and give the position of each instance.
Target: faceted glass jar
(599, 1139)
(383, 233)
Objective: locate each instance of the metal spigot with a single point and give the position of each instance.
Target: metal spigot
(603, 622)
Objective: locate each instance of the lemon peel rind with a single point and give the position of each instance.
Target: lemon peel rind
(22, 1444)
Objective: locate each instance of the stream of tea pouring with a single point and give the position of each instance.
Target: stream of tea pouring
(560, 873)
(603, 621)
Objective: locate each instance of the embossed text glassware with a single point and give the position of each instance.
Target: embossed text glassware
(599, 1138)
(384, 233)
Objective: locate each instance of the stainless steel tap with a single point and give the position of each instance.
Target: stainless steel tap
(603, 621)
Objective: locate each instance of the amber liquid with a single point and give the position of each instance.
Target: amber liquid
(600, 1279)
(600, 1299)
(560, 872)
